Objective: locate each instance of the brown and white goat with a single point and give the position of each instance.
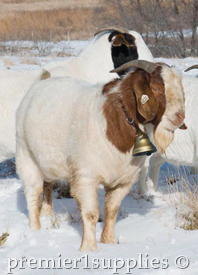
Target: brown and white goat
(68, 129)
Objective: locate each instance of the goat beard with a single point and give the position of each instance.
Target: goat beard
(163, 137)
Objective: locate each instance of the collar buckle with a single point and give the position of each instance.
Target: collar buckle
(129, 120)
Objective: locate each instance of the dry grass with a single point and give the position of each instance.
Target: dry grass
(59, 216)
(28, 60)
(55, 221)
(185, 198)
(7, 62)
(3, 238)
(64, 215)
(32, 5)
(47, 20)
(48, 25)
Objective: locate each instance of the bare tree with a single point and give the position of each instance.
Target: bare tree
(169, 27)
(194, 27)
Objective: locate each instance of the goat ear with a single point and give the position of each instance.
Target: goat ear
(156, 81)
(147, 104)
(45, 75)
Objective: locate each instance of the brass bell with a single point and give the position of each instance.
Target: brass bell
(143, 145)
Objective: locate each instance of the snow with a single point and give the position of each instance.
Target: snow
(43, 48)
(147, 228)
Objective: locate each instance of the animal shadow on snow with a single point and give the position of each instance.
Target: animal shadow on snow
(8, 171)
(67, 207)
(171, 176)
(65, 210)
(129, 206)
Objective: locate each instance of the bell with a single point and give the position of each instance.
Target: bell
(142, 145)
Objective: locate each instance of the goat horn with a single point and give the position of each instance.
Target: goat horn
(147, 66)
(163, 64)
(191, 68)
(113, 28)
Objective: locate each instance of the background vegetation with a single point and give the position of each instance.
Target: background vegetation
(169, 27)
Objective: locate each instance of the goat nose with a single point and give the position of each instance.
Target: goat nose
(183, 127)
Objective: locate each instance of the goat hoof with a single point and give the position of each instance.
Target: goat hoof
(88, 247)
(108, 240)
(36, 226)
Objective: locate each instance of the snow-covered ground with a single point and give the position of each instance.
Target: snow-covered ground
(149, 238)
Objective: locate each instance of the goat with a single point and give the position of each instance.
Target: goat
(13, 86)
(110, 48)
(184, 148)
(68, 129)
(93, 65)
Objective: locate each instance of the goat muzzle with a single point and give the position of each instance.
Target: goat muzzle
(178, 120)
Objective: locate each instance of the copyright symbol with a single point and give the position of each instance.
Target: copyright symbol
(182, 262)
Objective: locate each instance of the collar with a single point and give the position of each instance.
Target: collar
(129, 120)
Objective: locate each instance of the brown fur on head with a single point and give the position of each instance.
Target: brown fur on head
(147, 104)
(119, 39)
(156, 98)
(130, 92)
(166, 87)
